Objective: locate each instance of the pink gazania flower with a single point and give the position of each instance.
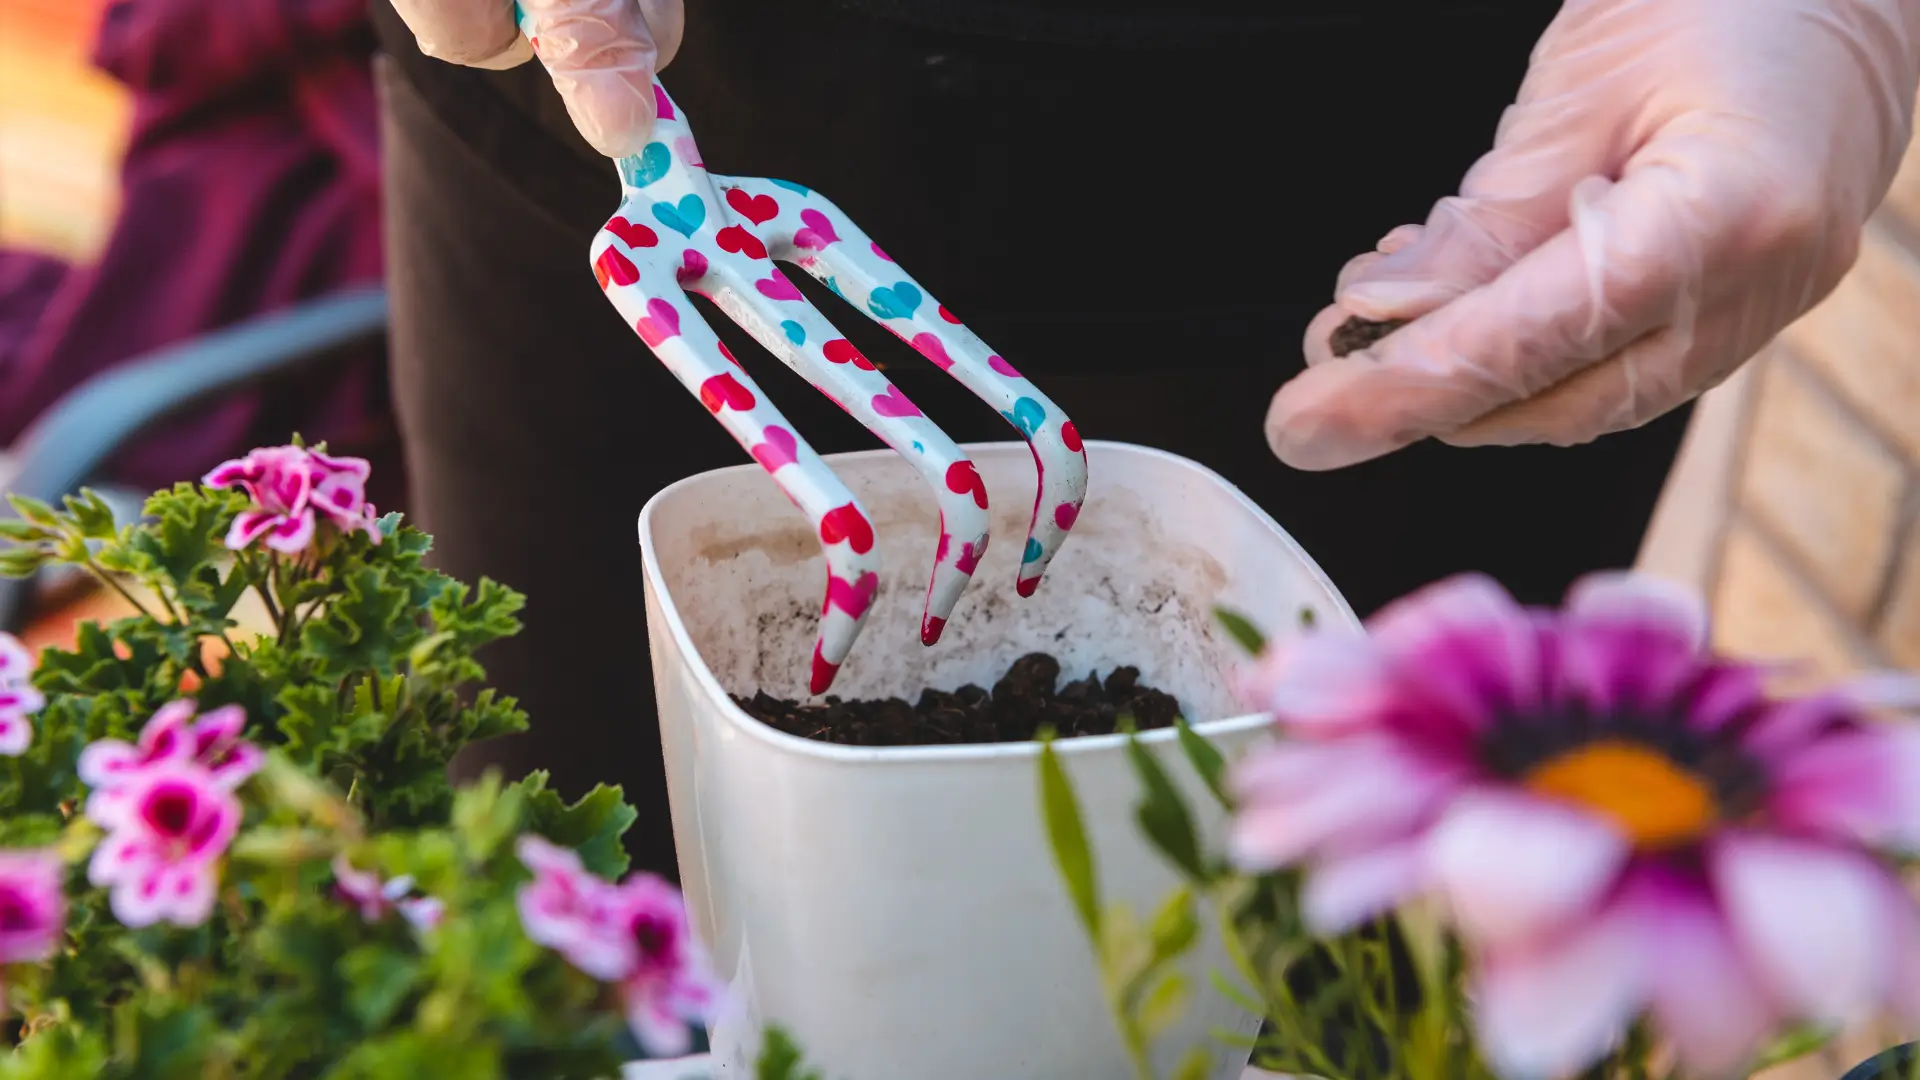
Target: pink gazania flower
(634, 934)
(18, 699)
(293, 488)
(375, 899)
(173, 734)
(1617, 821)
(166, 834)
(33, 909)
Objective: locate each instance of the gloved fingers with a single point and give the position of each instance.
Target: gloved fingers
(476, 33)
(602, 57)
(1622, 269)
(1398, 238)
(1643, 381)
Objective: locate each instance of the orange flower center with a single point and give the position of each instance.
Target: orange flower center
(1655, 802)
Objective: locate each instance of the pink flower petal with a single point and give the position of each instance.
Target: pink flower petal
(21, 699)
(1372, 792)
(217, 726)
(1810, 918)
(16, 663)
(1345, 891)
(1860, 786)
(1466, 647)
(657, 1029)
(249, 526)
(236, 764)
(1706, 996)
(542, 856)
(292, 534)
(16, 734)
(1325, 683)
(1555, 1009)
(229, 473)
(187, 892)
(1624, 597)
(1724, 694)
(1514, 867)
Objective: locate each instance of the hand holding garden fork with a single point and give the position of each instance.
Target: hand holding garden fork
(680, 230)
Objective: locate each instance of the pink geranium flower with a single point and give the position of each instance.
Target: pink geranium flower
(32, 906)
(167, 831)
(18, 699)
(173, 734)
(634, 934)
(293, 488)
(1617, 821)
(375, 899)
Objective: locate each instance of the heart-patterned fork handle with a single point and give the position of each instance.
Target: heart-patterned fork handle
(680, 231)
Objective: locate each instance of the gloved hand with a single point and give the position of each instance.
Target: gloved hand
(602, 53)
(1677, 181)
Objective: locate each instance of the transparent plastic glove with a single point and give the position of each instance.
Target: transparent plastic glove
(602, 53)
(1677, 181)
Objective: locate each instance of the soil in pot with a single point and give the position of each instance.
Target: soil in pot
(1026, 699)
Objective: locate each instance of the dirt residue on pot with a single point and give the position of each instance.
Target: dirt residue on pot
(1357, 333)
(1026, 699)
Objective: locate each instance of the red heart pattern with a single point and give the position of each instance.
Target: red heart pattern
(723, 391)
(758, 209)
(1070, 435)
(841, 351)
(849, 524)
(726, 352)
(741, 242)
(1065, 515)
(962, 478)
(632, 233)
(612, 267)
(949, 316)
(851, 597)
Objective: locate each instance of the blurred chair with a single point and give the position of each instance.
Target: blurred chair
(68, 444)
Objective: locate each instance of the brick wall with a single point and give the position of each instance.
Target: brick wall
(1807, 518)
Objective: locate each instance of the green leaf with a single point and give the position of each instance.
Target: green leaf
(485, 815)
(1164, 1004)
(92, 515)
(379, 981)
(22, 562)
(34, 511)
(1791, 1045)
(1175, 927)
(1205, 760)
(592, 826)
(1068, 837)
(1195, 1064)
(1242, 630)
(780, 1058)
(1163, 814)
(368, 628)
(21, 532)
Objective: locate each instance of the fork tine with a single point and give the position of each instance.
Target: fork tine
(802, 227)
(655, 306)
(754, 293)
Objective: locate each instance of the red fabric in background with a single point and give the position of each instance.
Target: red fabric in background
(250, 183)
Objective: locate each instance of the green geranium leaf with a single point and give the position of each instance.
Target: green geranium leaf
(592, 826)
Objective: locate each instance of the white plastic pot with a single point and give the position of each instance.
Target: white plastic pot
(898, 910)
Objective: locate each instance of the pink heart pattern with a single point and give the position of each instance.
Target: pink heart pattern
(659, 323)
(851, 597)
(779, 450)
(929, 346)
(894, 403)
(816, 231)
(777, 287)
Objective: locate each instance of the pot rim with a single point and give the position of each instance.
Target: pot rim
(964, 752)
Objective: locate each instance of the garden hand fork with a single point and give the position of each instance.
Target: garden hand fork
(681, 230)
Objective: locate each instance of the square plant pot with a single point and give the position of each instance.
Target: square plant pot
(898, 909)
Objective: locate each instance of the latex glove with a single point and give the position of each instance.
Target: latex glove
(1677, 181)
(602, 54)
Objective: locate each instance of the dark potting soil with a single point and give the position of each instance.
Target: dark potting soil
(1021, 703)
(1358, 333)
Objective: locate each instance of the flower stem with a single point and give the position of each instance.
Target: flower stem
(113, 583)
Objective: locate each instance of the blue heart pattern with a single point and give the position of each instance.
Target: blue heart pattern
(834, 285)
(795, 332)
(791, 186)
(898, 302)
(1027, 415)
(686, 218)
(1033, 551)
(647, 166)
